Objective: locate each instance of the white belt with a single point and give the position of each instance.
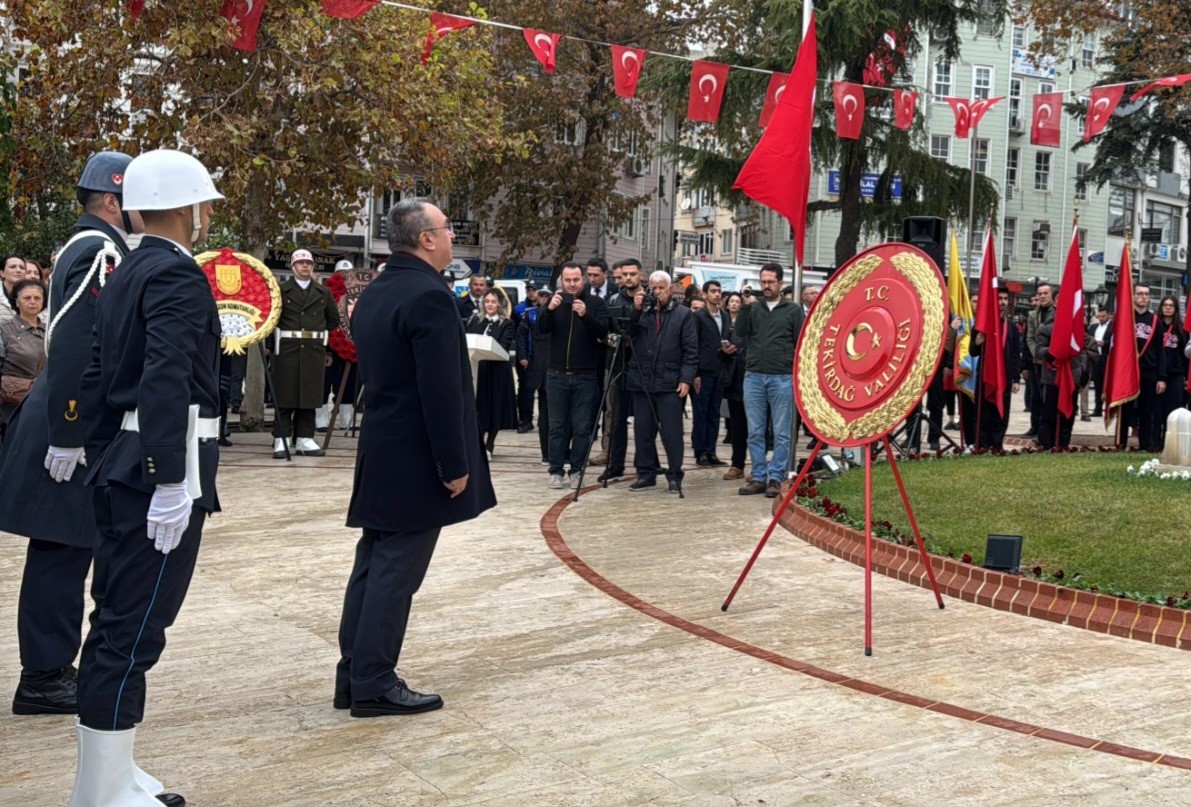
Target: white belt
(197, 428)
(302, 335)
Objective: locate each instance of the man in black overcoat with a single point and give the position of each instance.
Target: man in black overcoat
(420, 465)
(44, 496)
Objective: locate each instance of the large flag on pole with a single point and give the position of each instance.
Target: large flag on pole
(963, 374)
(1067, 338)
(778, 172)
(988, 322)
(1122, 373)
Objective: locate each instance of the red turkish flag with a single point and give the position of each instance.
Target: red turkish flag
(135, 7)
(1044, 126)
(626, 69)
(707, 91)
(905, 103)
(982, 105)
(879, 66)
(962, 108)
(1169, 81)
(348, 9)
(441, 25)
(245, 17)
(544, 46)
(849, 109)
(1122, 372)
(1067, 338)
(1101, 104)
(773, 94)
(778, 172)
(989, 323)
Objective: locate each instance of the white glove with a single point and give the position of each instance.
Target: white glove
(61, 462)
(169, 515)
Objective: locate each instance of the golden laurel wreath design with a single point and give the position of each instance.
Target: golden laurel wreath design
(829, 421)
(234, 344)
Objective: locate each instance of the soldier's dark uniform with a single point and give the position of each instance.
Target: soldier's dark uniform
(57, 517)
(156, 352)
(307, 318)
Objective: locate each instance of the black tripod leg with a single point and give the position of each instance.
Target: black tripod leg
(608, 382)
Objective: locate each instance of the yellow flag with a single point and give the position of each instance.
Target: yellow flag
(964, 371)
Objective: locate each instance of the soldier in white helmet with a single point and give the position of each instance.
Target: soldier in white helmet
(153, 390)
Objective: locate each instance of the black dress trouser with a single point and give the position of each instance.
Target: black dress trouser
(138, 592)
(645, 428)
(50, 610)
(388, 571)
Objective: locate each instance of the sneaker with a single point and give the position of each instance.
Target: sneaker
(48, 692)
(611, 475)
(573, 481)
(642, 483)
(556, 482)
(672, 486)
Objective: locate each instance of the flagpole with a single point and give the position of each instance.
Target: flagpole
(971, 199)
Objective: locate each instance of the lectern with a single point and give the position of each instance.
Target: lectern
(483, 348)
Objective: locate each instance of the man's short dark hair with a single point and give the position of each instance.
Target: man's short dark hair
(406, 221)
(776, 268)
(1102, 310)
(600, 262)
(627, 262)
(570, 265)
(1053, 289)
(707, 284)
(92, 201)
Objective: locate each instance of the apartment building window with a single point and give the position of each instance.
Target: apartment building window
(567, 134)
(706, 243)
(1167, 217)
(625, 142)
(627, 229)
(982, 81)
(1012, 161)
(980, 155)
(704, 198)
(986, 23)
(1166, 156)
(942, 83)
(1040, 241)
(1019, 37)
(1045, 87)
(1121, 208)
(1081, 190)
(644, 215)
(940, 147)
(727, 239)
(1042, 171)
(1087, 51)
(976, 238)
(1015, 99)
(1081, 118)
(1082, 235)
(750, 236)
(1009, 243)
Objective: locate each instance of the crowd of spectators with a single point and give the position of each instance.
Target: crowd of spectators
(22, 330)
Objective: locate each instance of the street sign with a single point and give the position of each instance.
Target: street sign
(1151, 235)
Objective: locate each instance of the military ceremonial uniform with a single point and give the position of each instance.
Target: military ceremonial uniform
(300, 356)
(155, 359)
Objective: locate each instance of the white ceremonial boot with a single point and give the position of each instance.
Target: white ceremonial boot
(345, 416)
(105, 775)
(149, 783)
(322, 418)
(308, 448)
(279, 448)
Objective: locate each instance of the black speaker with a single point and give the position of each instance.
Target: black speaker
(1002, 553)
(929, 234)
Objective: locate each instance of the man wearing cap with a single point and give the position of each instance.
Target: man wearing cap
(44, 496)
(152, 391)
(308, 314)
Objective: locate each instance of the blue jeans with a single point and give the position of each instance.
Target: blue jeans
(705, 417)
(771, 394)
(572, 400)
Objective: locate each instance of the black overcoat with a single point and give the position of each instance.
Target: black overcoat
(300, 364)
(421, 425)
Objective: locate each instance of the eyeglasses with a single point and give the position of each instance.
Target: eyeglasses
(450, 229)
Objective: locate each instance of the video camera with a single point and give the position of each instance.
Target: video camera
(649, 300)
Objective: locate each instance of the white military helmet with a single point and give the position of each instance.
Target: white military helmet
(300, 255)
(344, 266)
(166, 180)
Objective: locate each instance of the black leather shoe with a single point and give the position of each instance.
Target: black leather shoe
(343, 699)
(223, 441)
(400, 700)
(672, 486)
(47, 692)
(703, 461)
(171, 799)
(643, 484)
(714, 460)
(610, 475)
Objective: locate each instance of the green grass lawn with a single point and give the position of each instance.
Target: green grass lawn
(1077, 512)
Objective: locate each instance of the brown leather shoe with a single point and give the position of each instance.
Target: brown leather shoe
(734, 473)
(752, 488)
(773, 489)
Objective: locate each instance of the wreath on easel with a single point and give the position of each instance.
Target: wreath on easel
(247, 295)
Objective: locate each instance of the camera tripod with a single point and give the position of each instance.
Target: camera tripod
(910, 434)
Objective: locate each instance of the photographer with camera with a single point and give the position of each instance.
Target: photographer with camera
(662, 371)
(620, 401)
(576, 322)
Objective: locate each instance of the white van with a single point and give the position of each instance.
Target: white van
(735, 277)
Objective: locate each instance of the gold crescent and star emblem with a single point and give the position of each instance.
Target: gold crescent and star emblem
(850, 344)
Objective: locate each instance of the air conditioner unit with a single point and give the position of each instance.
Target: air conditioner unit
(1152, 250)
(635, 167)
(1181, 254)
(1015, 123)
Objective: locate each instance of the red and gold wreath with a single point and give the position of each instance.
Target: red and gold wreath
(339, 341)
(247, 295)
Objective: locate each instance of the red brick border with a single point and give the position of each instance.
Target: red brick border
(1103, 613)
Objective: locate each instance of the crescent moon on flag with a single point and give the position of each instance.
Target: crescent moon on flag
(848, 98)
(629, 56)
(248, 4)
(1044, 114)
(962, 115)
(546, 42)
(1099, 107)
(777, 96)
(711, 78)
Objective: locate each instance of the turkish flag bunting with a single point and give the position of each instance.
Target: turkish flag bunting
(441, 25)
(905, 103)
(773, 94)
(989, 323)
(1044, 127)
(1122, 373)
(245, 17)
(982, 105)
(879, 66)
(849, 109)
(135, 7)
(1067, 338)
(544, 46)
(348, 9)
(626, 69)
(1169, 81)
(778, 171)
(707, 91)
(962, 108)
(1101, 104)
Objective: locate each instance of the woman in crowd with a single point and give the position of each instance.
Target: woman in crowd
(1172, 365)
(496, 405)
(22, 345)
(732, 381)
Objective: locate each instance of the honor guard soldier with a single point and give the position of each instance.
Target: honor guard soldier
(308, 314)
(44, 496)
(152, 394)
